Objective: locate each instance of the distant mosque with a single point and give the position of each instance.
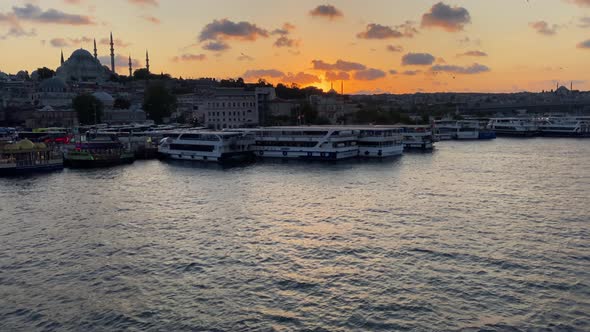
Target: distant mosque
(82, 66)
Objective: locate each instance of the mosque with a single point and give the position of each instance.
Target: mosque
(82, 66)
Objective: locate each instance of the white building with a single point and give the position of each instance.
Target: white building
(230, 108)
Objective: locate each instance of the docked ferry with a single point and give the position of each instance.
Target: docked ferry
(97, 150)
(418, 137)
(25, 157)
(445, 130)
(305, 142)
(212, 146)
(565, 126)
(513, 127)
(380, 142)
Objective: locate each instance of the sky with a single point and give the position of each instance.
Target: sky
(368, 46)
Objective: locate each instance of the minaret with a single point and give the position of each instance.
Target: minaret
(95, 50)
(62, 58)
(112, 54)
(147, 61)
(342, 87)
(130, 67)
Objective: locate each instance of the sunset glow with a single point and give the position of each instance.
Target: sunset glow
(371, 46)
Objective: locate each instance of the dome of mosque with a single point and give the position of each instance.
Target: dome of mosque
(54, 84)
(83, 66)
(105, 98)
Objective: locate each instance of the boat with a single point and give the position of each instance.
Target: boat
(94, 150)
(513, 127)
(565, 126)
(305, 142)
(25, 157)
(467, 130)
(445, 130)
(418, 137)
(380, 142)
(214, 146)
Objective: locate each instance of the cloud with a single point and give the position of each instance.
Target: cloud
(144, 3)
(190, 57)
(440, 60)
(449, 18)
(544, 28)
(284, 41)
(370, 74)
(393, 72)
(327, 11)
(151, 19)
(585, 44)
(121, 62)
(378, 31)
(217, 46)
(475, 68)
(411, 72)
(584, 22)
(301, 78)
(225, 29)
(418, 59)
(468, 41)
(581, 3)
(473, 53)
(116, 41)
(340, 65)
(337, 76)
(394, 48)
(73, 2)
(260, 73)
(68, 42)
(34, 13)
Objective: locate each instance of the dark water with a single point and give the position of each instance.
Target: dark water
(476, 236)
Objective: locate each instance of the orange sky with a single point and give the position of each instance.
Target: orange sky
(383, 45)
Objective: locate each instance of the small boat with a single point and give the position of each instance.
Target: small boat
(25, 157)
(418, 137)
(513, 127)
(97, 151)
(211, 146)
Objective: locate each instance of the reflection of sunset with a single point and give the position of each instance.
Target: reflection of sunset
(383, 46)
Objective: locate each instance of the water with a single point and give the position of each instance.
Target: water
(475, 236)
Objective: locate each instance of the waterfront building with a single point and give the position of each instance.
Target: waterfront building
(230, 108)
(135, 114)
(52, 117)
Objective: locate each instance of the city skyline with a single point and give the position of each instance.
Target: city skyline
(372, 47)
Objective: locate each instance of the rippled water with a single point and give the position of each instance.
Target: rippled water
(474, 236)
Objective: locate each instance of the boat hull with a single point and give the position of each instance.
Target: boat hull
(307, 155)
(230, 157)
(87, 163)
(25, 170)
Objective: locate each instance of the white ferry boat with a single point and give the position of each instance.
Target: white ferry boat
(380, 142)
(445, 130)
(565, 126)
(468, 130)
(418, 137)
(321, 143)
(212, 146)
(513, 126)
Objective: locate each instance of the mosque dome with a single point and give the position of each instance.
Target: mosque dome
(105, 98)
(54, 84)
(84, 67)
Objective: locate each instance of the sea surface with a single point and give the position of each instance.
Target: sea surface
(474, 236)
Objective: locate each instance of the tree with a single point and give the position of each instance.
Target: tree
(158, 102)
(88, 108)
(122, 103)
(44, 73)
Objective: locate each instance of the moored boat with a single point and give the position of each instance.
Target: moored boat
(418, 137)
(25, 157)
(513, 127)
(565, 126)
(97, 152)
(214, 146)
(380, 142)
